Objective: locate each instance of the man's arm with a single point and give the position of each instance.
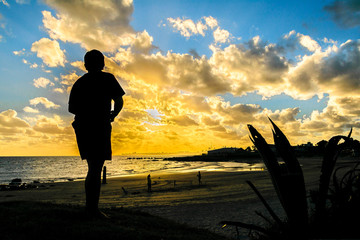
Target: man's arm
(72, 101)
(118, 105)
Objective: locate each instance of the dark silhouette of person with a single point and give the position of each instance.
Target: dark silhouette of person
(149, 183)
(90, 101)
(199, 178)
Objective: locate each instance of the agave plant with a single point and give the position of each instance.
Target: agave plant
(331, 155)
(289, 184)
(288, 181)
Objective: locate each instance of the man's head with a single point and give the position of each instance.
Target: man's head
(94, 60)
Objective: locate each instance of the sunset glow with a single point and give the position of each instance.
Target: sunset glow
(195, 73)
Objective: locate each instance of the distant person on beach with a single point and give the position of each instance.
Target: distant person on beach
(199, 178)
(90, 101)
(149, 183)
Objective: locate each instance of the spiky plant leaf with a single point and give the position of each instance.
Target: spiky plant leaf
(332, 152)
(293, 186)
(267, 206)
(285, 150)
(269, 159)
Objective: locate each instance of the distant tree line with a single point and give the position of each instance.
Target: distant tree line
(311, 150)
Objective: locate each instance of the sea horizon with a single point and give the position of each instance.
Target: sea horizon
(46, 169)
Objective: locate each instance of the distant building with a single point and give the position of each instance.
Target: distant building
(222, 151)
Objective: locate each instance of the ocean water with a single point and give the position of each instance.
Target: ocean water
(65, 168)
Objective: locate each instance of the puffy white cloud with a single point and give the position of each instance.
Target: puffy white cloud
(188, 27)
(42, 82)
(103, 25)
(49, 51)
(20, 52)
(44, 101)
(180, 71)
(30, 110)
(69, 79)
(9, 118)
(334, 71)
(51, 125)
(211, 22)
(143, 42)
(58, 90)
(252, 66)
(221, 35)
(309, 43)
(293, 40)
(34, 65)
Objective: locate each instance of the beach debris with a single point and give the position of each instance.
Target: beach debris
(124, 190)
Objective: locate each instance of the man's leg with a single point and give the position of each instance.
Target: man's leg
(93, 184)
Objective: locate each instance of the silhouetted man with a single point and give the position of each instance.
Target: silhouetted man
(90, 101)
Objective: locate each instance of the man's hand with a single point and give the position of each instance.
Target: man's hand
(112, 116)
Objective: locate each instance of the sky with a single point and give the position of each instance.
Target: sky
(195, 73)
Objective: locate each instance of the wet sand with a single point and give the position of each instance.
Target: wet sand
(221, 196)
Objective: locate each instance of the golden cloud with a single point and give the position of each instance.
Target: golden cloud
(43, 101)
(49, 51)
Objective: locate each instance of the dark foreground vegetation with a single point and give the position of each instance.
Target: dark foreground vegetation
(34, 220)
(330, 212)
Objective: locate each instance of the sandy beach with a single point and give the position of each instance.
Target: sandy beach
(179, 197)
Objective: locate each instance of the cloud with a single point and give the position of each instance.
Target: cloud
(183, 120)
(293, 40)
(175, 71)
(143, 42)
(44, 101)
(334, 71)
(339, 72)
(22, 1)
(345, 12)
(42, 82)
(20, 52)
(49, 51)
(103, 25)
(187, 27)
(5, 3)
(51, 125)
(30, 110)
(69, 79)
(211, 22)
(238, 113)
(58, 90)
(253, 66)
(221, 35)
(9, 118)
(309, 43)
